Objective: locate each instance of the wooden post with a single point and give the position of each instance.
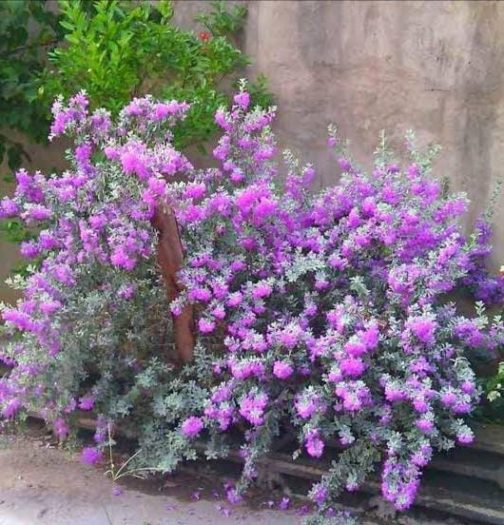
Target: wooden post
(170, 257)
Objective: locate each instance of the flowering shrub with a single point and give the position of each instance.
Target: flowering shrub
(331, 307)
(93, 317)
(319, 315)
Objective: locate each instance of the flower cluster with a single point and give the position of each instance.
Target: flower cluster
(92, 300)
(484, 287)
(328, 308)
(331, 305)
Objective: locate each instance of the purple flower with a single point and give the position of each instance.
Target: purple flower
(284, 503)
(469, 333)
(192, 426)
(303, 510)
(132, 163)
(233, 496)
(205, 326)
(8, 208)
(394, 393)
(448, 398)
(222, 393)
(462, 407)
(91, 455)
(11, 408)
(290, 336)
(425, 425)
(37, 213)
(117, 491)
(319, 494)
(61, 428)
(423, 328)
(83, 153)
(221, 120)
(219, 313)
(420, 404)
(344, 164)
(465, 436)
(355, 348)
(86, 403)
(120, 259)
(20, 319)
(242, 99)
(468, 387)
(282, 369)
(370, 337)
(422, 456)
(127, 292)
(235, 299)
(252, 408)
(306, 405)
(314, 445)
(352, 367)
(50, 307)
(201, 294)
(163, 110)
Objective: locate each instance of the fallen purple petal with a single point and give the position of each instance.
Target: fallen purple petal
(234, 497)
(223, 510)
(303, 510)
(284, 504)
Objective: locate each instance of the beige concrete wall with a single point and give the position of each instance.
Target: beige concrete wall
(434, 66)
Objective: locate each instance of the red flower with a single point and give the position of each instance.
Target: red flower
(204, 36)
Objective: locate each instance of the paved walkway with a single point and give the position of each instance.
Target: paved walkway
(40, 485)
(46, 486)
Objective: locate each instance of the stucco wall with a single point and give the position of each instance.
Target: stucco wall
(432, 66)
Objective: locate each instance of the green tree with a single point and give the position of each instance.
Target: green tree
(116, 50)
(28, 30)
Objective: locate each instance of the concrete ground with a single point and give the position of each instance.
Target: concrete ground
(47, 486)
(43, 485)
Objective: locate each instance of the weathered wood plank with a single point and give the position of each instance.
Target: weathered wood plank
(489, 438)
